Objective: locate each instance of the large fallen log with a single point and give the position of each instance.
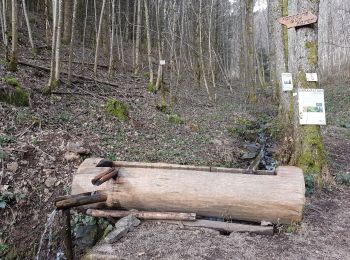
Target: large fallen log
(275, 198)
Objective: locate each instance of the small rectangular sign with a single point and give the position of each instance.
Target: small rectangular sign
(287, 81)
(311, 77)
(311, 107)
(162, 62)
(298, 20)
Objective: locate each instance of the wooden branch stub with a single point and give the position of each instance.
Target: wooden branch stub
(142, 214)
(68, 235)
(79, 200)
(298, 20)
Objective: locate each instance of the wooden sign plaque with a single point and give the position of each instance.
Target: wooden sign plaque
(298, 20)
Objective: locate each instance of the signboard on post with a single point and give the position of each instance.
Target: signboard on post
(287, 82)
(298, 20)
(311, 107)
(311, 77)
(162, 62)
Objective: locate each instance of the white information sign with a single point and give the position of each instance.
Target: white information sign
(311, 107)
(287, 82)
(311, 77)
(162, 62)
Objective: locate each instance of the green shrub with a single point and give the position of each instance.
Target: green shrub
(310, 184)
(117, 109)
(343, 179)
(162, 107)
(176, 119)
(152, 88)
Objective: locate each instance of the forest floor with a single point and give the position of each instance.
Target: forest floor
(35, 141)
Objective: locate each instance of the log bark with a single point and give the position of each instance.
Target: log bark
(142, 214)
(277, 199)
(225, 226)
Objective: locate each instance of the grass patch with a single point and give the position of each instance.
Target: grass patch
(117, 109)
(176, 119)
(152, 88)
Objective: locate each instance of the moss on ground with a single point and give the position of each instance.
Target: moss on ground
(117, 109)
(176, 119)
(15, 95)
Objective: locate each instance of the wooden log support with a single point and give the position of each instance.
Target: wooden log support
(79, 200)
(142, 214)
(68, 245)
(276, 198)
(224, 226)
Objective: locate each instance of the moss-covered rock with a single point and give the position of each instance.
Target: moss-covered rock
(13, 93)
(117, 109)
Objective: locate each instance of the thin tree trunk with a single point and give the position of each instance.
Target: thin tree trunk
(138, 38)
(5, 29)
(67, 21)
(121, 33)
(53, 47)
(72, 37)
(149, 44)
(201, 50)
(210, 47)
(28, 26)
(84, 31)
(111, 54)
(47, 24)
(98, 38)
(14, 49)
(159, 43)
(58, 44)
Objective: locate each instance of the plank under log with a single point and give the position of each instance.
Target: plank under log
(224, 226)
(142, 214)
(276, 198)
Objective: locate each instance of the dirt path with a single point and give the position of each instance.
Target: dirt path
(324, 234)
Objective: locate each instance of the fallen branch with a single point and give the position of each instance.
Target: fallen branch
(225, 226)
(142, 214)
(66, 73)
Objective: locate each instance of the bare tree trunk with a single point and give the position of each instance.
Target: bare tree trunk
(210, 47)
(121, 33)
(98, 38)
(201, 50)
(113, 30)
(159, 43)
(54, 36)
(72, 37)
(47, 24)
(5, 30)
(28, 27)
(84, 31)
(14, 50)
(58, 44)
(149, 44)
(67, 21)
(138, 38)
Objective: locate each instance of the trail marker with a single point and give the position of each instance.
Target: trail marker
(298, 20)
(162, 62)
(311, 77)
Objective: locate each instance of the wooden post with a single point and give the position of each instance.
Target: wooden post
(67, 235)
